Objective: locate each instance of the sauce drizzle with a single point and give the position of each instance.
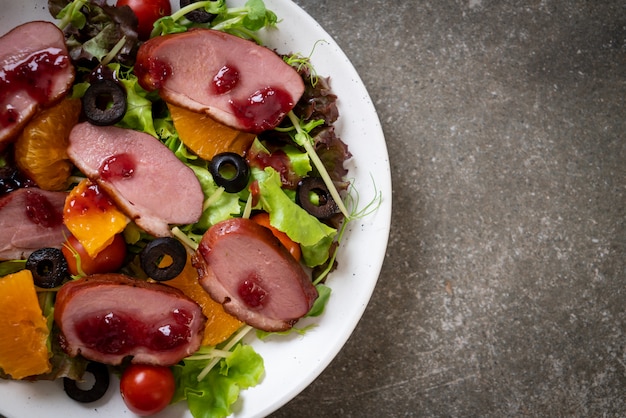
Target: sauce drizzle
(34, 75)
(117, 167)
(263, 109)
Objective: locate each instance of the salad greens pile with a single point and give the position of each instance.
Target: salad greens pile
(104, 38)
(242, 21)
(305, 139)
(93, 28)
(210, 391)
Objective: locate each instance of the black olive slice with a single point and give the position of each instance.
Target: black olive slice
(100, 373)
(48, 267)
(198, 15)
(309, 187)
(152, 255)
(230, 171)
(11, 178)
(104, 103)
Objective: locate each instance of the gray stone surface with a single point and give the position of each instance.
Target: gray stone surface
(504, 286)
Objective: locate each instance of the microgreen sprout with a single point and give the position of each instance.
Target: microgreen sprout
(372, 206)
(304, 139)
(298, 61)
(71, 15)
(113, 52)
(207, 352)
(353, 201)
(76, 256)
(242, 21)
(247, 210)
(172, 24)
(213, 198)
(220, 354)
(184, 238)
(213, 7)
(250, 17)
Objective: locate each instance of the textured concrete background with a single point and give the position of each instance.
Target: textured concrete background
(503, 292)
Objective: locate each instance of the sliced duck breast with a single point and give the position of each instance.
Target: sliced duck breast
(108, 317)
(30, 219)
(235, 81)
(243, 266)
(142, 175)
(35, 71)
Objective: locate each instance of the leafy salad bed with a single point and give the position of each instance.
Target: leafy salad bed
(97, 34)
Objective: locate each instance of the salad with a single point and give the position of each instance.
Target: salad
(293, 138)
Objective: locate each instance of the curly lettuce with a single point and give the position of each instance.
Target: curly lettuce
(314, 237)
(214, 394)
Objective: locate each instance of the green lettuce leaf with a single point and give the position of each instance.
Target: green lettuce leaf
(223, 206)
(93, 28)
(243, 21)
(138, 114)
(300, 161)
(11, 266)
(69, 13)
(258, 16)
(261, 335)
(100, 45)
(323, 292)
(213, 396)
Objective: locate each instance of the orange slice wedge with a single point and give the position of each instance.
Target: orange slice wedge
(40, 150)
(220, 324)
(92, 217)
(205, 136)
(23, 350)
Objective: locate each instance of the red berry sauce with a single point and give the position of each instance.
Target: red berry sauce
(226, 79)
(252, 293)
(40, 210)
(152, 73)
(119, 333)
(34, 75)
(91, 199)
(263, 109)
(117, 167)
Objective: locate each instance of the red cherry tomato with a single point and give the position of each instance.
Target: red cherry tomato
(147, 389)
(147, 12)
(106, 261)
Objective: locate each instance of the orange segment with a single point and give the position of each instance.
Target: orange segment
(40, 150)
(92, 217)
(207, 137)
(220, 325)
(23, 350)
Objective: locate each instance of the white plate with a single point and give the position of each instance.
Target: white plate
(291, 363)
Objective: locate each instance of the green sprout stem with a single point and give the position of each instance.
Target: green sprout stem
(236, 338)
(74, 8)
(189, 8)
(208, 354)
(113, 52)
(184, 238)
(213, 198)
(355, 213)
(179, 14)
(247, 210)
(318, 164)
